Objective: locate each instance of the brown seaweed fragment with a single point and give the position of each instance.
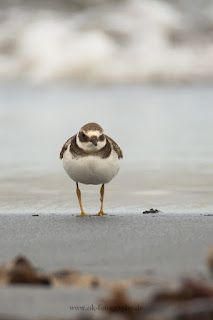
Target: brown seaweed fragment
(151, 211)
(21, 271)
(190, 289)
(73, 277)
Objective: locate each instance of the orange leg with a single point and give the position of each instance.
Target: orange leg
(101, 213)
(80, 203)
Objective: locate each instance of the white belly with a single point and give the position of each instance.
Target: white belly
(91, 169)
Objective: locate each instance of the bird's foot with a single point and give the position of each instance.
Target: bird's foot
(83, 214)
(101, 213)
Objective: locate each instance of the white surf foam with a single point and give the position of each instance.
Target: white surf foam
(131, 41)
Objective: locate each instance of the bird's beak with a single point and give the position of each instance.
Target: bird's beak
(94, 140)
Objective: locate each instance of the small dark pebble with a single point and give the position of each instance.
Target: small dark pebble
(151, 211)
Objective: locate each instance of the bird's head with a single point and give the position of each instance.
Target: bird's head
(91, 138)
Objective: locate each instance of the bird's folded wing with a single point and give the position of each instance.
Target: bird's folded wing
(64, 148)
(115, 147)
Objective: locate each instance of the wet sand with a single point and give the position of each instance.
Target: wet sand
(117, 247)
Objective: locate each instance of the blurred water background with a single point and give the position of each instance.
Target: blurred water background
(141, 69)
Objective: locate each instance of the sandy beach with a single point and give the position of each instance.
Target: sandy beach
(165, 246)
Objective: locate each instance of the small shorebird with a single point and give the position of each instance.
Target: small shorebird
(91, 157)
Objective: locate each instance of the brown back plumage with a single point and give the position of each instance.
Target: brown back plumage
(64, 148)
(115, 147)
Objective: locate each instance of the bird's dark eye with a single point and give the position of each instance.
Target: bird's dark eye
(83, 137)
(101, 138)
